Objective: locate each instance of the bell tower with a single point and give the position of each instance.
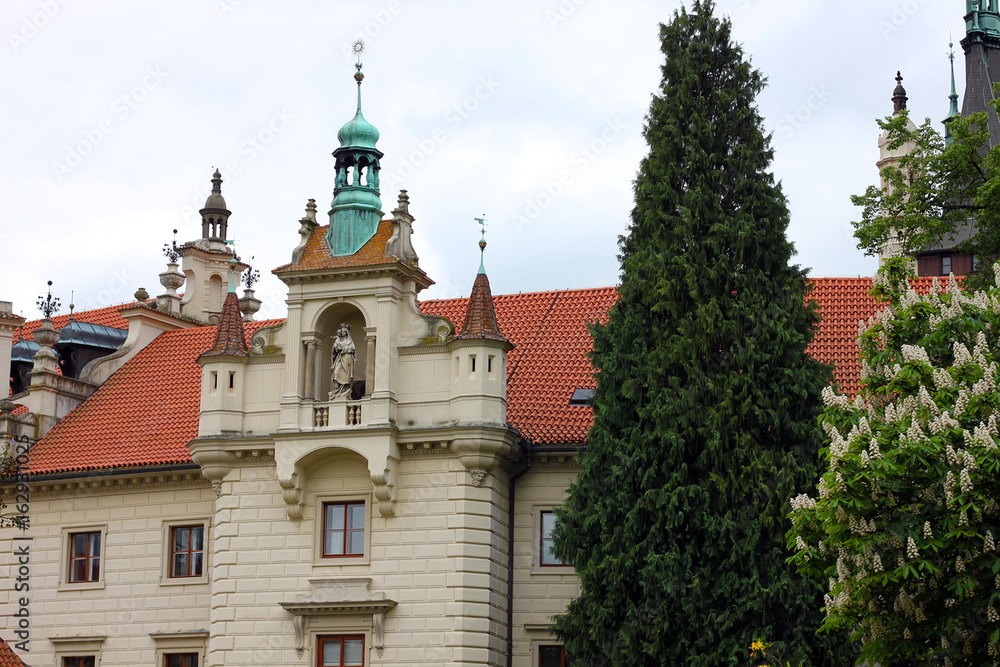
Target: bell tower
(357, 208)
(982, 61)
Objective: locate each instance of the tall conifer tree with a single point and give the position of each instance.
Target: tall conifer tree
(705, 415)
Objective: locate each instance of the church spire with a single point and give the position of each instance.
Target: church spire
(230, 340)
(953, 98)
(357, 207)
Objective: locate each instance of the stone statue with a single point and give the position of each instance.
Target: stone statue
(342, 363)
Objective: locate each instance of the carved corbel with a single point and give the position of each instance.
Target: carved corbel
(301, 624)
(291, 493)
(378, 632)
(385, 489)
(480, 456)
(215, 464)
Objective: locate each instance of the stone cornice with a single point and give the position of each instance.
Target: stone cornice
(126, 482)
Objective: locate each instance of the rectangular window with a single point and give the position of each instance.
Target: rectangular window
(87, 661)
(341, 651)
(552, 656)
(946, 265)
(548, 525)
(343, 529)
(84, 557)
(181, 660)
(187, 551)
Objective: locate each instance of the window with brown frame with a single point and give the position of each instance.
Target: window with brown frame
(552, 656)
(548, 524)
(343, 529)
(341, 651)
(84, 557)
(87, 661)
(187, 551)
(181, 660)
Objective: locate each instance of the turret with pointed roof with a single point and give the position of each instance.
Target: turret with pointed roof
(230, 341)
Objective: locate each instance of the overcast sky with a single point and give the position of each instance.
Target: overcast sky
(113, 115)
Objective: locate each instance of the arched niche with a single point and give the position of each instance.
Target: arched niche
(326, 328)
(215, 294)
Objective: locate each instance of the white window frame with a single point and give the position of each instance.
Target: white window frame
(64, 582)
(168, 526)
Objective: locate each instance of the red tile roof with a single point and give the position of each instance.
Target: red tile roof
(843, 302)
(143, 415)
(317, 254)
(108, 317)
(229, 337)
(549, 360)
(7, 656)
(146, 413)
(480, 315)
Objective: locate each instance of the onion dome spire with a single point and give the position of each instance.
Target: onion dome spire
(899, 95)
(357, 207)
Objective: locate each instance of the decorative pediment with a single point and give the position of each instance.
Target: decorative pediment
(340, 596)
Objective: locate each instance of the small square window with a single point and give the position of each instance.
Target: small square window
(343, 529)
(342, 651)
(87, 661)
(187, 551)
(84, 558)
(552, 656)
(181, 660)
(548, 525)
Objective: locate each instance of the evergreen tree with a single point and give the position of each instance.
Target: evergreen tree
(705, 415)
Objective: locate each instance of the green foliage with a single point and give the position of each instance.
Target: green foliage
(706, 404)
(905, 526)
(935, 191)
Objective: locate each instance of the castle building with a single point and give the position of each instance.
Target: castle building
(368, 481)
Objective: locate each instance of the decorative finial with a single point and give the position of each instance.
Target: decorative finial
(898, 95)
(250, 275)
(358, 47)
(49, 305)
(217, 182)
(170, 250)
(232, 274)
(482, 243)
(71, 304)
(141, 295)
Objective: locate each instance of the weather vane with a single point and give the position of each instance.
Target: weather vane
(49, 305)
(482, 241)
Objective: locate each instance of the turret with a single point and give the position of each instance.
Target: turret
(889, 157)
(223, 371)
(479, 359)
(357, 207)
(206, 262)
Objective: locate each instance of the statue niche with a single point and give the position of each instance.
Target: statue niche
(342, 364)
